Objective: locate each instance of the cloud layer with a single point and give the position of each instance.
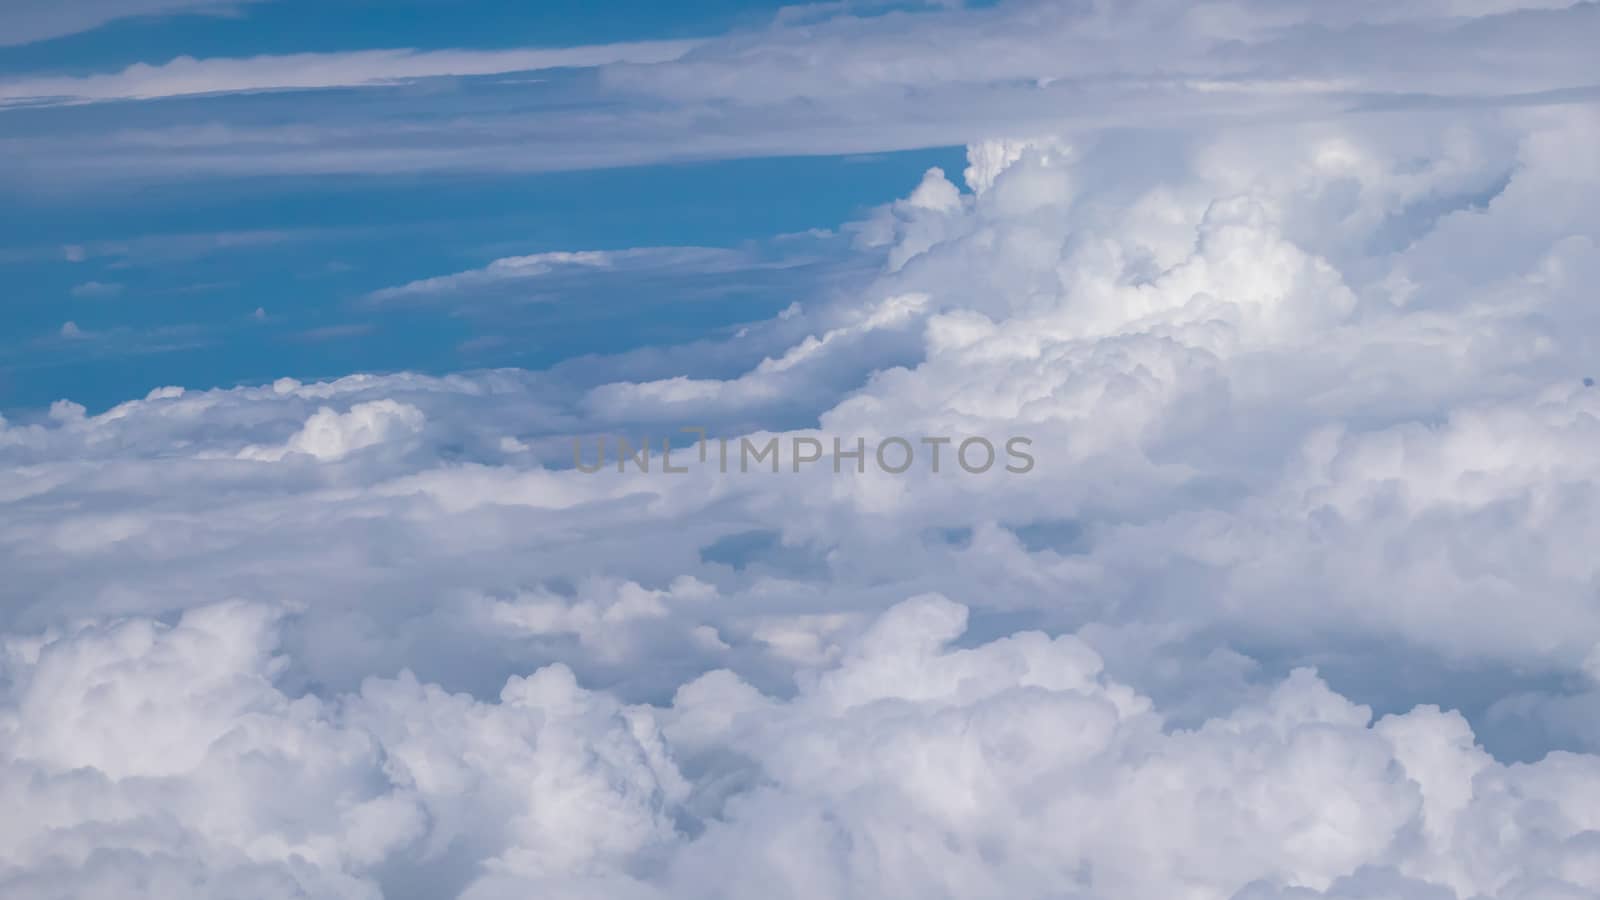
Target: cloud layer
(854, 81)
(1297, 603)
(164, 761)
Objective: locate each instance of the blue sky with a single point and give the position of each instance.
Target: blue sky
(161, 275)
(168, 167)
(299, 26)
(172, 273)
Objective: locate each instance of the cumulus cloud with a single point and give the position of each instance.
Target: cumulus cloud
(1250, 375)
(238, 787)
(329, 435)
(908, 768)
(1297, 602)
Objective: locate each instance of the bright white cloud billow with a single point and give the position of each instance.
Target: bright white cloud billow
(168, 757)
(1315, 399)
(1298, 601)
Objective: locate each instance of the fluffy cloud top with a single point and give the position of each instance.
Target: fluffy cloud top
(1297, 603)
(167, 760)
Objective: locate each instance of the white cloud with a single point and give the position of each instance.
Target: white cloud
(1230, 387)
(798, 372)
(1313, 411)
(846, 84)
(142, 753)
(96, 289)
(243, 788)
(186, 76)
(513, 269)
(329, 435)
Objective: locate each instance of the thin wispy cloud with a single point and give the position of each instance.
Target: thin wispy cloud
(512, 270)
(96, 290)
(187, 76)
(28, 21)
(846, 84)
